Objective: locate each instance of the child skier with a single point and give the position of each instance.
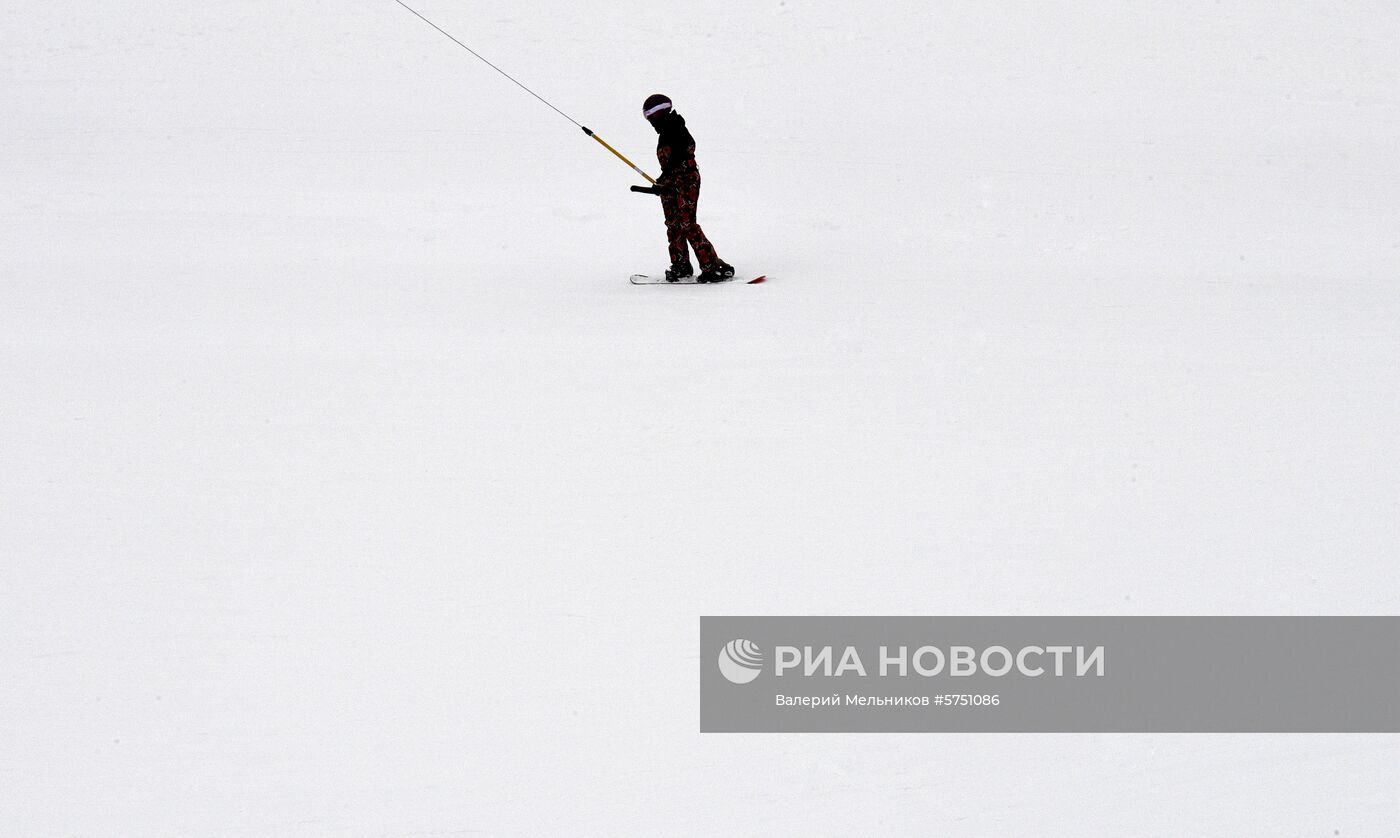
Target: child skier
(679, 188)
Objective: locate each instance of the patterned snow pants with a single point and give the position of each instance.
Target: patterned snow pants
(681, 226)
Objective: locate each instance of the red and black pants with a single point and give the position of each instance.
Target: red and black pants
(681, 227)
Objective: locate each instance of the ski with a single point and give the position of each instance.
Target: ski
(643, 279)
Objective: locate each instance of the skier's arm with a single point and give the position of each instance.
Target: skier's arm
(670, 164)
(675, 149)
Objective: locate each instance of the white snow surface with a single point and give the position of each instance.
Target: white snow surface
(348, 488)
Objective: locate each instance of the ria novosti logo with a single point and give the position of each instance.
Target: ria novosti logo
(740, 661)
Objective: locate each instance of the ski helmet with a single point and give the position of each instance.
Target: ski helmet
(655, 104)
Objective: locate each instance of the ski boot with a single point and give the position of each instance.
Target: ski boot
(676, 273)
(718, 272)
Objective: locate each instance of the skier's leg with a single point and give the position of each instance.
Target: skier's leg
(675, 235)
(688, 196)
(712, 268)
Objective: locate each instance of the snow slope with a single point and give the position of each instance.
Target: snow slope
(349, 489)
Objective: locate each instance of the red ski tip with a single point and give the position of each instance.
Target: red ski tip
(757, 280)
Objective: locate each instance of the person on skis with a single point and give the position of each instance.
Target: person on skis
(679, 188)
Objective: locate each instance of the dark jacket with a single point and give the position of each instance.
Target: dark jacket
(675, 148)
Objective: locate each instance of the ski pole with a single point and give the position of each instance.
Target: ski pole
(527, 90)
